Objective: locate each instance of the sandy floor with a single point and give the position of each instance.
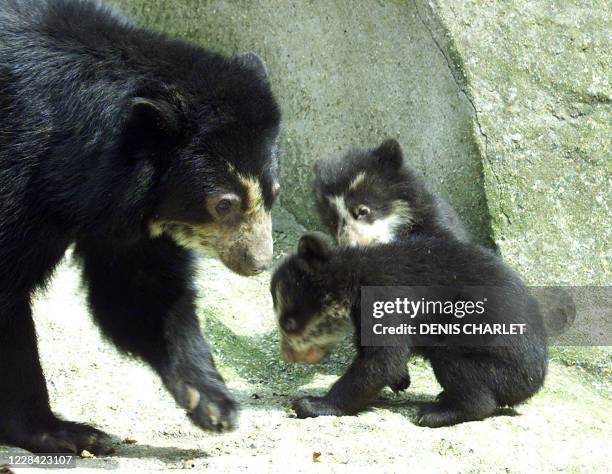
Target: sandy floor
(564, 428)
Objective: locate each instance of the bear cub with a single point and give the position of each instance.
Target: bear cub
(369, 197)
(372, 196)
(317, 295)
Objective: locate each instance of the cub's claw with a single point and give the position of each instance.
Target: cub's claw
(311, 407)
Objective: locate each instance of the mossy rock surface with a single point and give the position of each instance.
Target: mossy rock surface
(538, 74)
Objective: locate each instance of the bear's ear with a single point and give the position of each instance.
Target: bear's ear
(312, 247)
(154, 117)
(253, 61)
(389, 153)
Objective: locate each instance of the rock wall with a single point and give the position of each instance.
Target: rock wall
(503, 105)
(346, 73)
(538, 74)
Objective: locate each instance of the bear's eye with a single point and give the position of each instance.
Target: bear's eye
(289, 324)
(223, 206)
(362, 211)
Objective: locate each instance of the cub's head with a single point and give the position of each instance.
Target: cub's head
(367, 196)
(212, 133)
(312, 316)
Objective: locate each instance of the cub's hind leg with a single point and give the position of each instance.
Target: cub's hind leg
(401, 380)
(467, 395)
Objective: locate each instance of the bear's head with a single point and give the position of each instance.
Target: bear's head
(213, 136)
(366, 197)
(311, 309)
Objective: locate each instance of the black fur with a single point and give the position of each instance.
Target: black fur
(105, 127)
(387, 179)
(475, 379)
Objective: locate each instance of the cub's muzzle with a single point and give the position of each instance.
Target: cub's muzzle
(310, 355)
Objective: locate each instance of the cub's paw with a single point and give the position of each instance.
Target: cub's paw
(311, 407)
(210, 407)
(402, 383)
(429, 414)
(63, 437)
(435, 415)
(442, 397)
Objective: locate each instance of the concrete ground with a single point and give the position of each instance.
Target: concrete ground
(566, 427)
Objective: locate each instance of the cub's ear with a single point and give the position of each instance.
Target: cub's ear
(389, 153)
(154, 117)
(253, 61)
(313, 247)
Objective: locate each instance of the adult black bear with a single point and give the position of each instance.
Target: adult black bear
(135, 147)
(317, 293)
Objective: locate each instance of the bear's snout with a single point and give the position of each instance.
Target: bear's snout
(251, 254)
(251, 263)
(254, 265)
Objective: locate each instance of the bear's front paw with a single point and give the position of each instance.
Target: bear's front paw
(210, 407)
(57, 436)
(311, 407)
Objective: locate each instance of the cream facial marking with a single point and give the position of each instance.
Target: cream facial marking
(256, 232)
(244, 246)
(316, 340)
(357, 181)
(352, 231)
(254, 194)
(279, 305)
(276, 188)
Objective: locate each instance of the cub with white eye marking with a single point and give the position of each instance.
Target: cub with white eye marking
(318, 291)
(372, 196)
(369, 197)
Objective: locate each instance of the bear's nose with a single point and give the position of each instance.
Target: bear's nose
(252, 265)
(258, 267)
